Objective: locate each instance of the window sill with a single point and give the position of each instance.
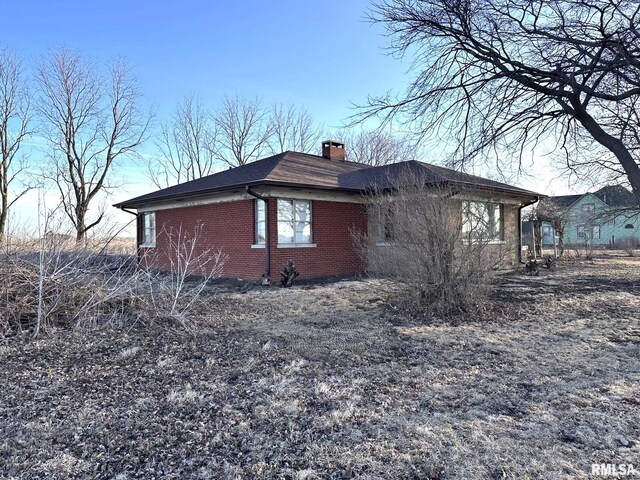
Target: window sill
(257, 245)
(487, 242)
(146, 245)
(296, 245)
(385, 244)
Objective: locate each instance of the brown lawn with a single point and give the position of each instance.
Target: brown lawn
(330, 381)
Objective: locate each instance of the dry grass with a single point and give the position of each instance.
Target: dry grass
(330, 381)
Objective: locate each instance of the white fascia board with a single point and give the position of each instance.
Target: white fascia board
(273, 192)
(310, 194)
(505, 198)
(220, 198)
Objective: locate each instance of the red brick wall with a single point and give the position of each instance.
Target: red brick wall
(226, 226)
(230, 226)
(334, 254)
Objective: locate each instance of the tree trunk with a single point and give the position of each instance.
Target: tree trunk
(4, 192)
(81, 229)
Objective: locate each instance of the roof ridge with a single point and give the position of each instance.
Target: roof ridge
(326, 159)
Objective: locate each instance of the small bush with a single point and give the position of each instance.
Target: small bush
(288, 274)
(628, 244)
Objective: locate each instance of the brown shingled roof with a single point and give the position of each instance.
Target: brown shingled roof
(295, 169)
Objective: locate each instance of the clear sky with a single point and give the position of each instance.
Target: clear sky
(322, 56)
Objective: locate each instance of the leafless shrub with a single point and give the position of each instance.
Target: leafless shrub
(45, 283)
(177, 272)
(628, 244)
(50, 285)
(420, 241)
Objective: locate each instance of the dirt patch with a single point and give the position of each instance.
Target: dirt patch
(330, 381)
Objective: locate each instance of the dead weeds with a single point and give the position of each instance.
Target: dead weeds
(330, 381)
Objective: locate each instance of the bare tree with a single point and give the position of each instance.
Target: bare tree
(293, 129)
(547, 210)
(501, 76)
(243, 130)
(186, 146)
(376, 147)
(14, 128)
(90, 122)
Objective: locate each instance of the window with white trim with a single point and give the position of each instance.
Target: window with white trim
(384, 225)
(482, 221)
(148, 229)
(595, 232)
(546, 230)
(582, 232)
(260, 222)
(294, 221)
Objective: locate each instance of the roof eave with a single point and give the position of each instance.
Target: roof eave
(239, 186)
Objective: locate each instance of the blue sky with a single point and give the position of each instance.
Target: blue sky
(322, 56)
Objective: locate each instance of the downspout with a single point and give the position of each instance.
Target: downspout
(267, 240)
(520, 228)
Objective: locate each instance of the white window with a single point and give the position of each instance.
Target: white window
(582, 233)
(384, 225)
(546, 231)
(482, 221)
(595, 232)
(148, 229)
(260, 222)
(588, 208)
(294, 221)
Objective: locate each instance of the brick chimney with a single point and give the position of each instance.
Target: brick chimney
(332, 150)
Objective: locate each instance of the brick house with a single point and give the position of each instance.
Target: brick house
(302, 207)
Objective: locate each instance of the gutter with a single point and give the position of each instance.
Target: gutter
(136, 214)
(267, 240)
(129, 211)
(520, 228)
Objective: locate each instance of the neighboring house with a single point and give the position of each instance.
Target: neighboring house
(306, 208)
(609, 217)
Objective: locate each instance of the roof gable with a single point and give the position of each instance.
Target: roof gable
(616, 196)
(588, 198)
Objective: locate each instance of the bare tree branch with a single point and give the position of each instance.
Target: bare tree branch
(187, 145)
(90, 121)
(293, 129)
(14, 128)
(497, 77)
(376, 147)
(243, 130)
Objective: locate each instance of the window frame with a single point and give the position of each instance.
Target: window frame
(493, 238)
(588, 207)
(595, 228)
(581, 232)
(149, 233)
(546, 231)
(293, 223)
(384, 234)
